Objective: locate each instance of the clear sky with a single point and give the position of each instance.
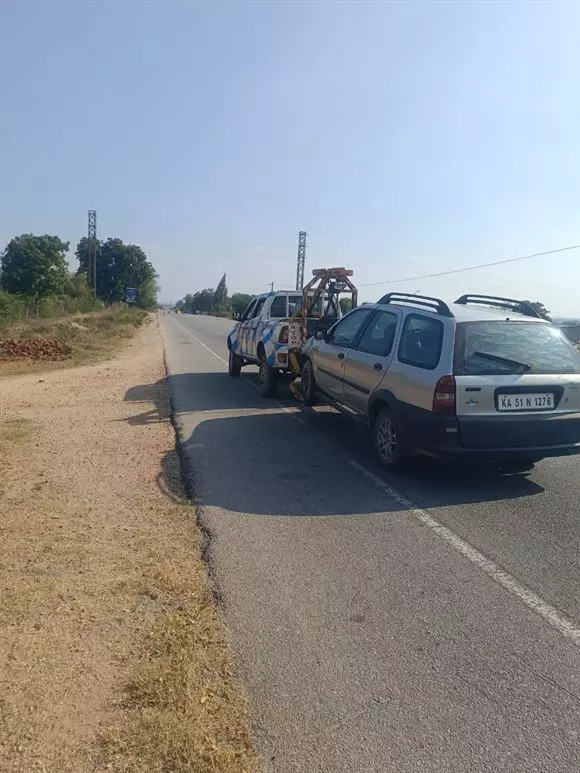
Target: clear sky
(405, 137)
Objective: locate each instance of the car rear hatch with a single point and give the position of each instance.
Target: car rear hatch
(517, 385)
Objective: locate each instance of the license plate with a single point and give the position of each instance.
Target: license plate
(526, 402)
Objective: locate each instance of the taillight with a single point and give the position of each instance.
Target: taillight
(283, 337)
(444, 396)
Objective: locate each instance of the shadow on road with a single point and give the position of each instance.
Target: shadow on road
(158, 394)
(268, 463)
(207, 392)
(427, 482)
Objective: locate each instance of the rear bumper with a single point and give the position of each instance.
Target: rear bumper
(509, 437)
(499, 437)
(457, 453)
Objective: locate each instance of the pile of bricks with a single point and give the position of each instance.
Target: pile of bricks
(33, 349)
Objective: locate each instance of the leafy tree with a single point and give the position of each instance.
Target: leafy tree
(540, 308)
(239, 302)
(185, 304)
(120, 266)
(345, 305)
(147, 296)
(204, 301)
(221, 295)
(35, 266)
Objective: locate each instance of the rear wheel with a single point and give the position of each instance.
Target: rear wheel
(387, 441)
(234, 364)
(308, 384)
(269, 379)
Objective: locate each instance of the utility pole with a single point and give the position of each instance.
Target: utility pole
(301, 260)
(271, 287)
(92, 246)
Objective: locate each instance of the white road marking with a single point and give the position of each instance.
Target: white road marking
(530, 599)
(508, 582)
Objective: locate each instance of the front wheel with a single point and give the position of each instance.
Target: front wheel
(269, 379)
(387, 441)
(234, 364)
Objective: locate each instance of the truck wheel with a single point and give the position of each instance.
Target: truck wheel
(387, 441)
(308, 384)
(269, 379)
(234, 364)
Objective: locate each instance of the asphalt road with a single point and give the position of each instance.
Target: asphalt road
(427, 623)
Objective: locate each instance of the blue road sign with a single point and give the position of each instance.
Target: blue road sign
(130, 294)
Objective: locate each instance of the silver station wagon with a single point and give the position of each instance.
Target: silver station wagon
(484, 377)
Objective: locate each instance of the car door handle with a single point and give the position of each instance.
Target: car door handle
(378, 366)
(340, 356)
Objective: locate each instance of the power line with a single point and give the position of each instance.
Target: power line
(472, 268)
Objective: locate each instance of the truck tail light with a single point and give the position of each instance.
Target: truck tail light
(283, 337)
(444, 396)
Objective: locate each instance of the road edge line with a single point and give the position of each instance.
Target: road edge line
(508, 582)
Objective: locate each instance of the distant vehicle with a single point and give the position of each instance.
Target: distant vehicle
(261, 335)
(483, 378)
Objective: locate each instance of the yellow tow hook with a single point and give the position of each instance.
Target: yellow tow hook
(296, 387)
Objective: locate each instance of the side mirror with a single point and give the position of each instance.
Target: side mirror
(320, 335)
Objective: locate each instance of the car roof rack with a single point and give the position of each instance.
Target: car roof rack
(496, 301)
(424, 301)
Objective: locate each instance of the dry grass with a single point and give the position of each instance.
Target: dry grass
(182, 714)
(92, 337)
(113, 656)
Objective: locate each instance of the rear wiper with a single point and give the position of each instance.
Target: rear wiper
(524, 365)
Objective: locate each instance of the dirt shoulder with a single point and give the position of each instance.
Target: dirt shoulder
(35, 345)
(112, 654)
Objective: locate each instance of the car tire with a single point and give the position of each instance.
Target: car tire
(308, 384)
(234, 364)
(387, 441)
(269, 379)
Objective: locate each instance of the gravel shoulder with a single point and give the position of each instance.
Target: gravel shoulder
(112, 653)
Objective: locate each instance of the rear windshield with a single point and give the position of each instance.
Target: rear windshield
(279, 308)
(506, 347)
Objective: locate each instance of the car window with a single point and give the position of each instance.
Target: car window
(379, 335)
(258, 309)
(278, 307)
(249, 310)
(343, 334)
(504, 347)
(421, 341)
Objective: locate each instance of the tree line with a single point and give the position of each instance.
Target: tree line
(210, 301)
(35, 276)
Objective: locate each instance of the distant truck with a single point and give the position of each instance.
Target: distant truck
(261, 335)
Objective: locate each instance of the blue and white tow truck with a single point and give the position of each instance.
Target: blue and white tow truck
(273, 329)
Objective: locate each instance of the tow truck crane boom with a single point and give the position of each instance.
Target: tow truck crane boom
(327, 284)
